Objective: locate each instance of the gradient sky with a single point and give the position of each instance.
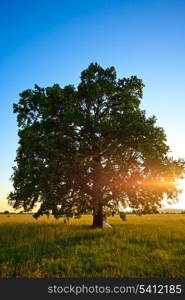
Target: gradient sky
(47, 42)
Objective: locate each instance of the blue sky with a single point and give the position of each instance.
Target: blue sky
(48, 42)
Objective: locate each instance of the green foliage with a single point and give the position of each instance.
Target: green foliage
(84, 148)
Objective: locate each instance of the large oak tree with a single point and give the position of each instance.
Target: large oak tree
(90, 149)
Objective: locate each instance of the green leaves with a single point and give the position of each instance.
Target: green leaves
(90, 146)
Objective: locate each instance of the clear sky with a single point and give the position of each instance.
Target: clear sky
(48, 42)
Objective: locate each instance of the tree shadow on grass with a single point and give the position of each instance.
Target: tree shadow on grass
(38, 249)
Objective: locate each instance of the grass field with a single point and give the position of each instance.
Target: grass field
(143, 246)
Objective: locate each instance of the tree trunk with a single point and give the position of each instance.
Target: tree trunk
(98, 218)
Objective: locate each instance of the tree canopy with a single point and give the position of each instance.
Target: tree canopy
(91, 149)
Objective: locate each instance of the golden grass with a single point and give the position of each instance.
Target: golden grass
(143, 246)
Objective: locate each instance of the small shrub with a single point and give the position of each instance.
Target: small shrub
(123, 216)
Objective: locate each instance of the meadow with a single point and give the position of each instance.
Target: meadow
(143, 246)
